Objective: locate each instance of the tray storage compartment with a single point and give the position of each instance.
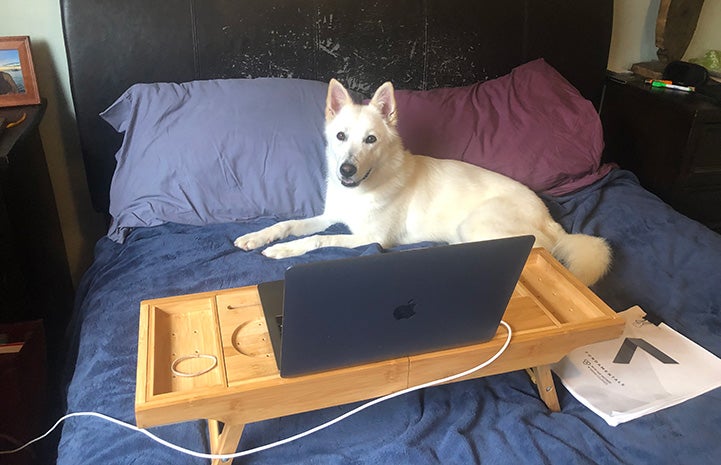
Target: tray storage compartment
(180, 350)
(561, 296)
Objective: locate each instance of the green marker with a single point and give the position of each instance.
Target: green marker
(672, 86)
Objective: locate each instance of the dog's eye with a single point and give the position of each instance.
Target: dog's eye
(341, 136)
(370, 139)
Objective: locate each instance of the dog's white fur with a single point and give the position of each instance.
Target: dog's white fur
(385, 194)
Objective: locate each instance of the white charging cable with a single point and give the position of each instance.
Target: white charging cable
(338, 419)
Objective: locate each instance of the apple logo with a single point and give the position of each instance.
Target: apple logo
(406, 311)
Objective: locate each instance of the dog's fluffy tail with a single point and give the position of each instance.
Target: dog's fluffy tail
(587, 257)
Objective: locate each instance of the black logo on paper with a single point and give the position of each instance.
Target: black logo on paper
(628, 348)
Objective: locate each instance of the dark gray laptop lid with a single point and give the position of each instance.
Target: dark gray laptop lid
(351, 311)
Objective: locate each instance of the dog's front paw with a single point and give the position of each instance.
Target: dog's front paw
(291, 249)
(281, 251)
(253, 240)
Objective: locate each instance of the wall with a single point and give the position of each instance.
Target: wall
(708, 30)
(634, 32)
(82, 226)
(633, 41)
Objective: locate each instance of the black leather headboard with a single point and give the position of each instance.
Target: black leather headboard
(417, 44)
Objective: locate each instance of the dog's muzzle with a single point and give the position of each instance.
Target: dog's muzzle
(347, 175)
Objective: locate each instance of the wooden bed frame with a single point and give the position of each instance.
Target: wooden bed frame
(417, 44)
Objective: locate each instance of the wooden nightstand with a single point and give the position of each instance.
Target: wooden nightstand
(671, 140)
(35, 281)
(23, 385)
(35, 276)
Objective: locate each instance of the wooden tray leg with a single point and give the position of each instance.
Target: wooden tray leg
(225, 441)
(543, 379)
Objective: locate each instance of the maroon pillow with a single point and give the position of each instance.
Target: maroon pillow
(531, 125)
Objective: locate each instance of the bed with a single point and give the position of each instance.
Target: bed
(211, 127)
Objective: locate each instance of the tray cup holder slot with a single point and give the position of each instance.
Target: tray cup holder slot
(251, 339)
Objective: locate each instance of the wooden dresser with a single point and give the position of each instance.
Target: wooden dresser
(671, 140)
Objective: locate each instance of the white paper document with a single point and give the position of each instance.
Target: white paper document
(645, 370)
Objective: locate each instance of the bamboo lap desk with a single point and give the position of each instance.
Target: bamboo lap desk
(550, 312)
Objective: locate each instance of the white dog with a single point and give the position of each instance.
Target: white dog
(385, 194)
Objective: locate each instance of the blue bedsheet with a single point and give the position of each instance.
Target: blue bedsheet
(663, 261)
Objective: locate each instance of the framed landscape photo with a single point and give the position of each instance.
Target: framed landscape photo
(18, 85)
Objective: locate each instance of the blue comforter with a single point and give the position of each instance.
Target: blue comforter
(664, 262)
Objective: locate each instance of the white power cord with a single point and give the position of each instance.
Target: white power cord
(282, 441)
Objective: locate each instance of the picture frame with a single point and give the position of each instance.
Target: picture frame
(18, 85)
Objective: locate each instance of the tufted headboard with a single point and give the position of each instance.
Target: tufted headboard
(417, 44)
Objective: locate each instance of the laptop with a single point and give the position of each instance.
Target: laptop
(346, 312)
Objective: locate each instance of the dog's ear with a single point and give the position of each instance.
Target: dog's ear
(337, 98)
(385, 101)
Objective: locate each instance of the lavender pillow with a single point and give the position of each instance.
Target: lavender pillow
(531, 125)
(217, 151)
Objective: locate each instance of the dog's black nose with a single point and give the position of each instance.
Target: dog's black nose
(347, 170)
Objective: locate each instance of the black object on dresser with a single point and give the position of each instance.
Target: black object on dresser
(671, 140)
